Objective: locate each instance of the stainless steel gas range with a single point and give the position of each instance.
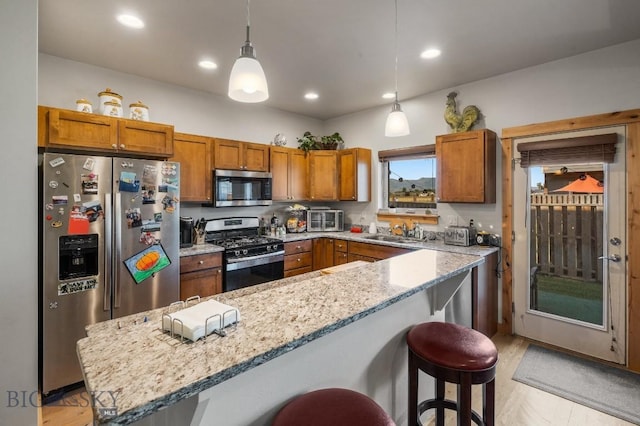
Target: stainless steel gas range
(248, 258)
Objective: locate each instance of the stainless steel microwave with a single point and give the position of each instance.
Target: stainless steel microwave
(241, 188)
(325, 220)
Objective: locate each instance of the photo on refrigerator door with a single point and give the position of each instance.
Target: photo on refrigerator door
(147, 262)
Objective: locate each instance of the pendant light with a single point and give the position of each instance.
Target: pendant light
(397, 123)
(247, 82)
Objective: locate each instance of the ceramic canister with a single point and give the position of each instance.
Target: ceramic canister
(139, 111)
(109, 96)
(83, 105)
(112, 108)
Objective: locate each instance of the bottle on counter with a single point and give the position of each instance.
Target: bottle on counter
(262, 227)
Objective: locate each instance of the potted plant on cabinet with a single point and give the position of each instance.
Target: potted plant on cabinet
(331, 142)
(307, 142)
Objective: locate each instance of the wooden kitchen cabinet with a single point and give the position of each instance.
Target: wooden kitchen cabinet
(323, 175)
(355, 174)
(238, 155)
(200, 275)
(323, 251)
(290, 174)
(298, 257)
(484, 282)
(195, 155)
(372, 252)
(466, 171)
(340, 252)
(72, 130)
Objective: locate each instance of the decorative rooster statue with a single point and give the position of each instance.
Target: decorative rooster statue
(460, 122)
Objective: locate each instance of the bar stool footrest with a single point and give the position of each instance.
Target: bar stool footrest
(447, 404)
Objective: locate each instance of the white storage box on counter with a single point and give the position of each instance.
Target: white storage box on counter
(190, 322)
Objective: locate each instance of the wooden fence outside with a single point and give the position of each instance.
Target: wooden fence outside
(566, 235)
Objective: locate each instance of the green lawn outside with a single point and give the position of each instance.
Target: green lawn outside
(570, 298)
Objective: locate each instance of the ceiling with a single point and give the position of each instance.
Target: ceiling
(341, 49)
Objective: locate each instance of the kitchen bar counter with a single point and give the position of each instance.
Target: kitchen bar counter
(136, 370)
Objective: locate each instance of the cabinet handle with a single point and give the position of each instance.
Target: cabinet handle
(299, 260)
(201, 262)
(298, 247)
(122, 146)
(114, 146)
(219, 271)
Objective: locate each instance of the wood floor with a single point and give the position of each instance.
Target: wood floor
(516, 403)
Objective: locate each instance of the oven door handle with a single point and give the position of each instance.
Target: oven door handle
(261, 259)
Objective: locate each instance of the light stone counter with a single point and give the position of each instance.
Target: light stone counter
(136, 370)
(360, 237)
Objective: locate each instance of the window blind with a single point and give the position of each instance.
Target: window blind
(583, 149)
(407, 153)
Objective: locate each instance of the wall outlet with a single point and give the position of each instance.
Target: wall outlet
(452, 220)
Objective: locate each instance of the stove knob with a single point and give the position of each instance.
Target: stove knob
(245, 251)
(237, 252)
(275, 247)
(268, 248)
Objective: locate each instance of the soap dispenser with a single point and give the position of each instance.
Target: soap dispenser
(372, 228)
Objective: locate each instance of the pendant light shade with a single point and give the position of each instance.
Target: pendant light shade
(247, 82)
(397, 123)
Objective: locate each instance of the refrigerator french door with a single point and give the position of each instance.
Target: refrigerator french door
(109, 247)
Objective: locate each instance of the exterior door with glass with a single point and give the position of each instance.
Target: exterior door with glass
(569, 251)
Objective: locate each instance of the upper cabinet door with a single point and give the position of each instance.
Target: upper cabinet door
(290, 172)
(194, 153)
(355, 174)
(323, 175)
(144, 137)
(256, 157)
(79, 130)
(228, 155)
(466, 167)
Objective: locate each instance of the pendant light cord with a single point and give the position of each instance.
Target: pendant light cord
(396, 50)
(248, 21)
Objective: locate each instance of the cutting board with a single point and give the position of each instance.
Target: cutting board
(343, 267)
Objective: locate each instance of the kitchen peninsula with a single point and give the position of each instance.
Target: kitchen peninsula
(297, 334)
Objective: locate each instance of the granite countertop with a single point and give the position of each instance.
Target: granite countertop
(149, 369)
(363, 238)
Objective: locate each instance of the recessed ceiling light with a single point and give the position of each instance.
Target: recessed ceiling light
(430, 54)
(207, 64)
(389, 95)
(130, 21)
(311, 96)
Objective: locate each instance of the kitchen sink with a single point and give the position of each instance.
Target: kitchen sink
(389, 238)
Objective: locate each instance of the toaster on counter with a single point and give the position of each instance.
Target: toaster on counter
(460, 235)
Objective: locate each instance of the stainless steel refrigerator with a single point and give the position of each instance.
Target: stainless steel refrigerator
(109, 247)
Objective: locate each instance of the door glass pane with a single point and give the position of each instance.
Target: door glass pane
(566, 214)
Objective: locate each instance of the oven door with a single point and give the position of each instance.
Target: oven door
(248, 271)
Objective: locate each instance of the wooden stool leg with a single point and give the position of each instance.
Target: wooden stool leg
(440, 384)
(464, 400)
(413, 390)
(489, 402)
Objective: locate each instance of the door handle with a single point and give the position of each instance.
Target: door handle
(613, 258)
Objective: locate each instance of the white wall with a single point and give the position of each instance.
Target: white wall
(597, 82)
(18, 253)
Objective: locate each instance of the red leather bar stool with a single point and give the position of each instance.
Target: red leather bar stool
(455, 354)
(334, 407)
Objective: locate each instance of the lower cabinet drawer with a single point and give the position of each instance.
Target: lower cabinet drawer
(353, 257)
(340, 258)
(200, 261)
(298, 260)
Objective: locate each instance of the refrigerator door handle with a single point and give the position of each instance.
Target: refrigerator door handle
(118, 247)
(108, 262)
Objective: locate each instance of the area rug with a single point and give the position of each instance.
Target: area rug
(608, 389)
